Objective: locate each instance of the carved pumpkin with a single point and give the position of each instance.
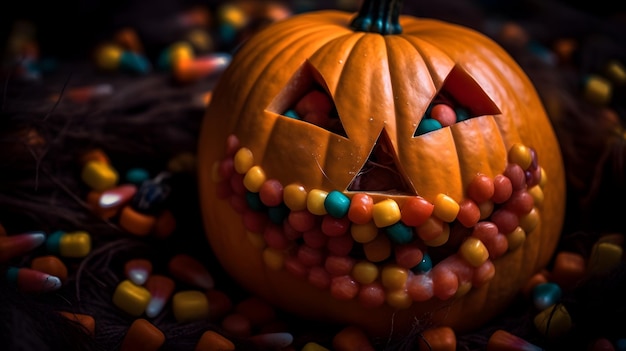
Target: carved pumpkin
(379, 169)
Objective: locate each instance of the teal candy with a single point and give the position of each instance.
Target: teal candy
(424, 266)
(337, 204)
(53, 242)
(277, 214)
(254, 201)
(227, 32)
(11, 275)
(292, 114)
(546, 295)
(461, 114)
(164, 61)
(399, 233)
(427, 125)
(134, 63)
(137, 176)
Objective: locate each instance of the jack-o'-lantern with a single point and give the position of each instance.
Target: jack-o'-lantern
(380, 170)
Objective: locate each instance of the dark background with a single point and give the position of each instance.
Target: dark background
(69, 28)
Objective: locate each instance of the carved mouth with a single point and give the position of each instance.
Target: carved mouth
(388, 251)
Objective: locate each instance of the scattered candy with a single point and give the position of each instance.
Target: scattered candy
(213, 341)
(191, 70)
(351, 338)
(597, 90)
(313, 346)
(96, 154)
(272, 341)
(602, 344)
(138, 270)
(73, 244)
(152, 194)
(220, 303)
(164, 225)
(131, 298)
(51, 265)
(142, 336)
(554, 321)
(99, 176)
(604, 257)
(128, 39)
(569, 269)
(161, 288)
(135, 222)
(136, 176)
(237, 325)
(12, 246)
(190, 305)
(231, 19)
(29, 280)
(546, 295)
(112, 57)
(537, 278)
(616, 72)
(502, 340)
(189, 270)
(85, 94)
(117, 197)
(93, 200)
(258, 311)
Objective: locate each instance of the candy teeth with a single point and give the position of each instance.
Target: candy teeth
(358, 248)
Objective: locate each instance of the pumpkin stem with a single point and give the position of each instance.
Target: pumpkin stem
(378, 16)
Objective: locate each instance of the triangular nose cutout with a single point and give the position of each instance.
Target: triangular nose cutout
(381, 173)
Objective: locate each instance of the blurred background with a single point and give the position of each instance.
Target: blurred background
(70, 27)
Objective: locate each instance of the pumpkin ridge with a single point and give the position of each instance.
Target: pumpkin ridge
(430, 52)
(398, 128)
(446, 174)
(372, 98)
(319, 58)
(487, 145)
(407, 119)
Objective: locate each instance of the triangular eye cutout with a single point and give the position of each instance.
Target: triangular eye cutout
(306, 98)
(381, 173)
(459, 99)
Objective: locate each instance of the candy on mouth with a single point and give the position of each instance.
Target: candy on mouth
(385, 251)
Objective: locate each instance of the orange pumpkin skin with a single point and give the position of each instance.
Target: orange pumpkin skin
(376, 82)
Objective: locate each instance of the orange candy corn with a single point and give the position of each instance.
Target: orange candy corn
(142, 336)
(191, 271)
